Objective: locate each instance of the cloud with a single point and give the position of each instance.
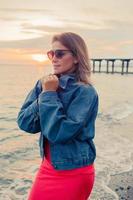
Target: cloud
(28, 26)
(40, 42)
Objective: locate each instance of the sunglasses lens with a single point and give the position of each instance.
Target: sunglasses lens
(50, 54)
(59, 54)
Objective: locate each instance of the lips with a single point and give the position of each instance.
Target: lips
(56, 65)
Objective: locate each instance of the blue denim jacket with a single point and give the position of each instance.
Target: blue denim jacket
(66, 117)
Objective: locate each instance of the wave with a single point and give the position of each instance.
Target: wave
(117, 112)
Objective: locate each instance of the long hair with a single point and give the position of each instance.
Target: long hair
(77, 45)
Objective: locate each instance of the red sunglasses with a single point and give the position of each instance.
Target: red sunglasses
(59, 53)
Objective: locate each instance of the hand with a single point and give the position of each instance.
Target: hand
(49, 82)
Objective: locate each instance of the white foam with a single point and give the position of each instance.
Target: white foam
(120, 111)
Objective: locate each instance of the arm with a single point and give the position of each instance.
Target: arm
(58, 126)
(28, 116)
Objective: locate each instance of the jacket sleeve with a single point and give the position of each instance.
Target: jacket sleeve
(58, 126)
(28, 116)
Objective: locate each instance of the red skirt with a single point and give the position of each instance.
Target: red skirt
(52, 184)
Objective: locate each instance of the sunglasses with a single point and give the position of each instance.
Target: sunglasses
(59, 53)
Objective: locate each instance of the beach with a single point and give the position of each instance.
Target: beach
(19, 151)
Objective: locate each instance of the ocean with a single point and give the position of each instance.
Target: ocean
(19, 151)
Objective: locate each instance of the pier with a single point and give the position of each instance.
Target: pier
(112, 65)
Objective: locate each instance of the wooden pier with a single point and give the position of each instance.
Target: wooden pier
(110, 63)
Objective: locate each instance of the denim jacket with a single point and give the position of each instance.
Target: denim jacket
(66, 117)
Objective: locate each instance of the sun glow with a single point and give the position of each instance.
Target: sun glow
(40, 57)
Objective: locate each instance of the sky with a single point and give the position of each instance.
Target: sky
(27, 28)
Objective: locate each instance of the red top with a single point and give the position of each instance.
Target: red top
(85, 169)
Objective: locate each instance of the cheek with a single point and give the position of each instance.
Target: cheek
(67, 62)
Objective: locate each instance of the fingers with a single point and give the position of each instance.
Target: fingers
(48, 77)
(52, 76)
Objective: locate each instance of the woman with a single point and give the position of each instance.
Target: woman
(63, 106)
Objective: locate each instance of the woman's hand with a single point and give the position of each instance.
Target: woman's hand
(49, 82)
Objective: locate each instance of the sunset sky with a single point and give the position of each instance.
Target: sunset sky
(27, 27)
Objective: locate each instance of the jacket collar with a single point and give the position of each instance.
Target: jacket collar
(64, 78)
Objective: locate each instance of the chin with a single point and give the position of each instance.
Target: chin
(57, 72)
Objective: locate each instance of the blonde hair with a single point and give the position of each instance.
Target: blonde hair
(76, 44)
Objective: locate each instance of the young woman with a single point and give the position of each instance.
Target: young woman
(63, 107)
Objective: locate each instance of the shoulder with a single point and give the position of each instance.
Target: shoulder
(86, 89)
(86, 95)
